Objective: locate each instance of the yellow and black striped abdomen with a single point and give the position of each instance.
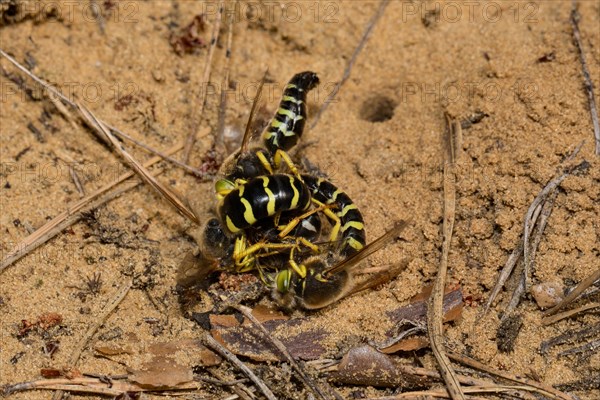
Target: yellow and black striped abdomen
(287, 125)
(260, 198)
(352, 223)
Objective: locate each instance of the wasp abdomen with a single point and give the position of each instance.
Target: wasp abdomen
(352, 225)
(315, 291)
(287, 125)
(262, 197)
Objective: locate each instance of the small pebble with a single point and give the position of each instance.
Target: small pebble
(547, 294)
(158, 75)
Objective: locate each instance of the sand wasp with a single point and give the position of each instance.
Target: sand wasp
(250, 191)
(271, 221)
(283, 132)
(285, 233)
(247, 182)
(243, 203)
(328, 277)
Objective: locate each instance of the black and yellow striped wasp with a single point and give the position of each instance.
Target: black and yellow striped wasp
(283, 132)
(251, 192)
(253, 189)
(270, 220)
(260, 188)
(329, 275)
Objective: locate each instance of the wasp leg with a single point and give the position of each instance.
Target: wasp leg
(263, 277)
(337, 222)
(299, 269)
(265, 162)
(286, 229)
(245, 257)
(280, 156)
(243, 262)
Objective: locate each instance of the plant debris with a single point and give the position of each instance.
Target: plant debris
(189, 39)
(42, 324)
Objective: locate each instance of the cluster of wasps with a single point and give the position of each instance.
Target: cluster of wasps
(298, 231)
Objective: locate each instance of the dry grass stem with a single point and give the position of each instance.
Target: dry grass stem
(236, 386)
(216, 346)
(73, 214)
(105, 134)
(196, 172)
(306, 380)
(435, 311)
(589, 86)
(361, 44)
(87, 385)
(442, 393)
(545, 390)
(542, 212)
(541, 205)
(219, 143)
(200, 102)
(56, 97)
(580, 288)
(569, 313)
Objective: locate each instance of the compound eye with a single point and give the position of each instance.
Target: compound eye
(213, 230)
(215, 242)
(283, 281)
(213, 223)
(224, 186)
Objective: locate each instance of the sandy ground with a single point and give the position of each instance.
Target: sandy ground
(513, 62)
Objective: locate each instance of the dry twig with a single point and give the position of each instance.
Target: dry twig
(201, 100)
(58, 95)
(73, 214)
(540, 388)
(542, 211)
(219, 143)
(86, 385)
(570, 336)
(387, 371)
(97, 13)
(351, 61)
(580, 288)
(442, 393)
(103, 130)
(589, 86)
(109, 308)
(196, 172)
(569, 313)
(104, 133)
(435, 311)
(541, 205)
(236, 386)
(310, 384)
(216, 346)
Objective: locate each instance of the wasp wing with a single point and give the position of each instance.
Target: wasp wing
(249, 131)
(366, 251)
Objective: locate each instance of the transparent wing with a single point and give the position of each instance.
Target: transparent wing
(248, 132)
(366, 251)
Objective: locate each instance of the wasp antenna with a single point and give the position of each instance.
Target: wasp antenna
(366, 251)
(248, 133)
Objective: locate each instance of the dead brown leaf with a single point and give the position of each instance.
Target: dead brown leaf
(161, 372)
(200, 354)
(112, 351)
(244, 340)
(366, 366)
